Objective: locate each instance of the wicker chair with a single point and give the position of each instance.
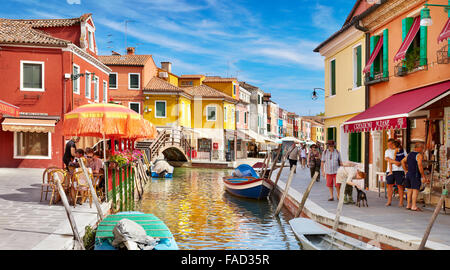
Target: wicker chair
(80, 187)
(47, 184)
(65, 182)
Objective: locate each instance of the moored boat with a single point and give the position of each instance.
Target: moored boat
(246, 183)
(152, 225)
(314, 236)
(161, 169)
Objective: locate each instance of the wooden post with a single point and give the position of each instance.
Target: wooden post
(136, 178)
(433, 219)
(106, 179)
(72, 222)
(266, 165)
(92, 190)
(113, 178)
(125, 187)
(132, 189)
(286, 189)
(278, 176)
(306, 195)
(120, 190)
(274, 162)
(340, 205)
(262, 169)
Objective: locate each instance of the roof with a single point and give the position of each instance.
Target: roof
(218, 79)
(14, 31)
(208, 92)
(159, 85)
(125, 60)
(192, 76)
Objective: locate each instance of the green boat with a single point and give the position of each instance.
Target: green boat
(152, 225)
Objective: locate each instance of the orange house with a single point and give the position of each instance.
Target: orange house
(130, 74)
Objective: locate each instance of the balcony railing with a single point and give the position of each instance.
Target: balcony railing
(443, 56)
(403, 69)
(375, 77)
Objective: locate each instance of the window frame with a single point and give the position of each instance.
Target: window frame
(91, 39)
(183, 111)
(78, 80)
(16, 156)
(42, 63)
(331, 78)
(88, 84)
(105, 91)
(355, 66)
(117, 80)
(225, 114)
(139, 81)
(165, 108)
(138, 103)
(96, 89)
(215, 115)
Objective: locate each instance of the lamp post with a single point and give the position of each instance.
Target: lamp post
(76, 76)
(314, 93)
(425, 19)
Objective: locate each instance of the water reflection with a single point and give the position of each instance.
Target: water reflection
(201, 215)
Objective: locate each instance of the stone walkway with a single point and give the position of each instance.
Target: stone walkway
(393, 217)
(26, 223)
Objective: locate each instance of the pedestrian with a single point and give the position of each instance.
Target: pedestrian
(303, 155)
(395, 174)
(412, 165)
(70, 149)
(331, 160)
(352, 174)
(293, 155)
(314, 161)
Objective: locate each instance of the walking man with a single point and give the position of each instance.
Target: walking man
(314, 161)
(331, 160)
(294, 155)
(412, 164)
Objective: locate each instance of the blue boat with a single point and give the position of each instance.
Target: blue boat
(164, 172)
(166, 175)
(152, 225)
(246, 183)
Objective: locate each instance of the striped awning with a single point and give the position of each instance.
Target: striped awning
(29, 125)
(374, 55)
(401, 54)
(445, 34)
(9, 109)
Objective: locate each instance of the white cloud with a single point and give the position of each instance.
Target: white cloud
(71, 2)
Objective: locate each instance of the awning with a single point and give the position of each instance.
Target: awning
(392, 112)
(401, 54)
(374, 55)
(28, 125)
(9, 109)
(255, 136)
(445, 34)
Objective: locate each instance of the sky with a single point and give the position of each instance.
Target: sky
(266, 43)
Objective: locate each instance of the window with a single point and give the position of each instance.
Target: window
(134, 81)
(31, 76)
(245, 117)
(105, 92)
(183, 115)
(113, 81)
(96, 89)
(354, 147)
(234, 89)
(413, 123)
(333, 77)
(233, 113)
(87, 87)
(135, 106)
(225, 118)
(32, 145)
(237, 116)
(76, 83)
(91, 40)
(211, 113)
(160, 109)
(187, 83)
(331, 134)
(357, 66)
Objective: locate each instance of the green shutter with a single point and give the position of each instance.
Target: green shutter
(358, 66)
(406, 25)
(386, 53)
(376, 63)
(333, 78)
(355, 147)
(423, 43)
(331, 134)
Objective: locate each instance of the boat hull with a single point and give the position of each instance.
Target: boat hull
(247, 188)
(167, 175)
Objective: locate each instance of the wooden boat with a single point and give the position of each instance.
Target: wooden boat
(314, 236)
(167, 172)
(246, 183)
(153, 226)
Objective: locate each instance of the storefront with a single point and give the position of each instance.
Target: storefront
(419, 115)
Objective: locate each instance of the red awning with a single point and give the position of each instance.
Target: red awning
(392, 112)
(401, 54)
(445, 34)
(6, 108)
(374, 55)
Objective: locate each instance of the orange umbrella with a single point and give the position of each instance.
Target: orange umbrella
(147, 131)
(102, 120)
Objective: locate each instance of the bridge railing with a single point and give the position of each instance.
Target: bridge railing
(170, 137)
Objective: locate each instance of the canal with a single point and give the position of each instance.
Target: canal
(202, 215)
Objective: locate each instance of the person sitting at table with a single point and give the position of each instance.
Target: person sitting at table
(94, 161)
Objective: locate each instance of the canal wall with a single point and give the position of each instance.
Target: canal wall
(376, 235)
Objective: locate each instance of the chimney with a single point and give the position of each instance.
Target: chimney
(130, 50)
(167, 66)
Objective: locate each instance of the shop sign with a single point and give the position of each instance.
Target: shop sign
(384, 124)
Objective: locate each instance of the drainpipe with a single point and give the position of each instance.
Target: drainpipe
(366, 103)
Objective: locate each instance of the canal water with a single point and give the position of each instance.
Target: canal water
(202, 215)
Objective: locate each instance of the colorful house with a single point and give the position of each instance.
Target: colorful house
(191, 80)
(228, 86)
(130, 73)
(49, 67)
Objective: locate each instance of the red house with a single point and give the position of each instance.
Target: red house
(47, 68)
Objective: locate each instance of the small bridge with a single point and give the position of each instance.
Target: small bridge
(171, 143)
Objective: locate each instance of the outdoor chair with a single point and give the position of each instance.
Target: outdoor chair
(65, 182)
(80, 186)
(47, 185)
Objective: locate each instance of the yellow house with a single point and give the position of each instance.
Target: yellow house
(228, 86)
(166, 105)
(344, 86)
(190, 80)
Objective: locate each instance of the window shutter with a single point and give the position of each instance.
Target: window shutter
(423, 43)
(376, 64)
(386, 53)
(358, 66)
(333, 78)
(355, 147)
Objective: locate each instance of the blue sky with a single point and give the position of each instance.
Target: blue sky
(263, 42)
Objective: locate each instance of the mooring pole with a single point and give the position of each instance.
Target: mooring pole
(288, 184)
(274, 162)
(306, 195)
(278, 176)
(433, 219)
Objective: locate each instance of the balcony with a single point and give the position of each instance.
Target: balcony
(443, 56)
(409, 66)
(374, 78)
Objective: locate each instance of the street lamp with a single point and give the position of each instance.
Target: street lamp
(76, 76)
(314, 95)
(425, 19)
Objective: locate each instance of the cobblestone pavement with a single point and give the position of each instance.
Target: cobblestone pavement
(393, 217)
(24, 221)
